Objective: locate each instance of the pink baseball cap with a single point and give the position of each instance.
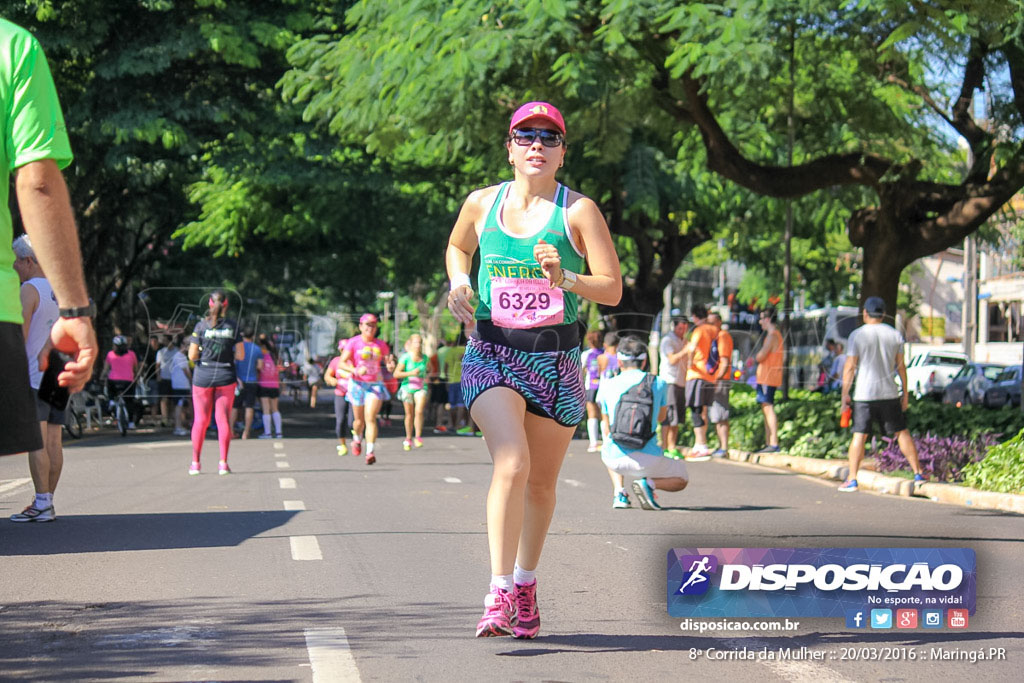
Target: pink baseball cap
(538, 110)
(367, 318)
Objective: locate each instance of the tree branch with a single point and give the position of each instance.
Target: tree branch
(974, 78)
(778, 181)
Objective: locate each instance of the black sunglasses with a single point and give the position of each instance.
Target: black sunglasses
(525, 137)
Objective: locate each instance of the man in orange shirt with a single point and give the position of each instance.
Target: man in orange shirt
(700, 382)
(719, 411)
(769, 377)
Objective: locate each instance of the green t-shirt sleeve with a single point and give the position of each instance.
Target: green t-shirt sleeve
(35, 128)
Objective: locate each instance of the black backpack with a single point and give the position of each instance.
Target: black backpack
(634, 415)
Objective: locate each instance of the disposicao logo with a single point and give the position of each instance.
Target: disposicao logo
(818, 582)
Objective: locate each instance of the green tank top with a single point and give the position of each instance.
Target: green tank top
(512, 287)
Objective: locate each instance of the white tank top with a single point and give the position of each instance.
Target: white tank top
(45, 316)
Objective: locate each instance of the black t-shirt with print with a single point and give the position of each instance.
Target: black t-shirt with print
(216, 364)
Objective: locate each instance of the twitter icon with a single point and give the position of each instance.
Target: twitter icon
(881, 618)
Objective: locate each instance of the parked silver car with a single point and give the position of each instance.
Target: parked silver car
(969, 385)
(1005, 390)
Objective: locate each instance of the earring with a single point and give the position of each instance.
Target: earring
(511, 163)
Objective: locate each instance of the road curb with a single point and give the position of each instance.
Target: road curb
(893, 486)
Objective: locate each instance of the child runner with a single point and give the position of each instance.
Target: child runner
(521, 372)
(647, 465)
(269, 389)
(362, 356)
(339, 380)
(412, 370)
(215, 345)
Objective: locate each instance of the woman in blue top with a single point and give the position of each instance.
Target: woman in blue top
(521, 372)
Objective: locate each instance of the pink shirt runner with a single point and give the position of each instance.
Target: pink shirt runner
(367, 357)
(342, 387)
(121, 366)
(268, 374)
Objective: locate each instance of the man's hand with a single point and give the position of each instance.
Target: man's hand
(76, 338)
(846, 399)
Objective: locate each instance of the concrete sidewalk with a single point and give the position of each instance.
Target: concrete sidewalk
(895, 486)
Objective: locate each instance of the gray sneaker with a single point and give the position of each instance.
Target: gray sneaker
(34, 514)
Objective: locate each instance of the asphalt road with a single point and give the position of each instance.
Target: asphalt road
(303, 565)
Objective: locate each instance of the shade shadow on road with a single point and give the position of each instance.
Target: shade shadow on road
(205, 638)
(156, 531)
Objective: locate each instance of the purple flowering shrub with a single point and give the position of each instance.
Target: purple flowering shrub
(943, 458)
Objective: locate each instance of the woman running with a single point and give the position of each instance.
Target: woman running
(215, 345)
(269, 388)
(361, 356)
(338, 379)
(412, 370)
(591, 380)
(521, 372)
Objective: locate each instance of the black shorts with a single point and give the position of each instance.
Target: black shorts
(268, 392)
(675, 404)
(47, 413)
(591, 395)
(887, 413)
(247, 395)
(439, 393)
(699, 393)
(163, 388)
(19, 429)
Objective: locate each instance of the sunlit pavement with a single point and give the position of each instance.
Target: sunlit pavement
(303, 562)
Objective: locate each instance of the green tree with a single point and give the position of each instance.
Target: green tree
(641, 79)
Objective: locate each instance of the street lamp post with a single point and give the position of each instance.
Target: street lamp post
(387, 297)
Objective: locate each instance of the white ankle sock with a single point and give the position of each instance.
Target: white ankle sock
(592, 429)
(43, 501)
(523, 577)
(503, 581)
(369, 446)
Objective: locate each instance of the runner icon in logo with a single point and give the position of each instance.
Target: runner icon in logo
(697, 575)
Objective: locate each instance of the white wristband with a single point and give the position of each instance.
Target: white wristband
(460, 279)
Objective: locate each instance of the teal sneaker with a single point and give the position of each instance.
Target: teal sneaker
(645, 494)
(621, 501)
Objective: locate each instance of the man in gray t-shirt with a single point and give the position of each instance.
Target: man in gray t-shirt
(875, 352)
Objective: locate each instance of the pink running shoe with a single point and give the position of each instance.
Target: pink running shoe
(500, 615)
(417, 443)
(357, 447)
(194, 468)
(223, 468)
(529, 615)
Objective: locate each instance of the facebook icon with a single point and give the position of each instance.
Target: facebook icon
(855, 618)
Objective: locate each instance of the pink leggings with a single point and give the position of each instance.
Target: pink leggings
(217, 400)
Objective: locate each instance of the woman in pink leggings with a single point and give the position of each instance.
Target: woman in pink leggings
(215, 345)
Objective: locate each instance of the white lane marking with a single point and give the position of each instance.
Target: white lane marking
(452, 480)
(159, 444)
(282, 465)
(574, 483)
(12, 484)
(278, 445)
(287, 483)
(330, 656)
(280, 455)
(305, 548)
(294, 505)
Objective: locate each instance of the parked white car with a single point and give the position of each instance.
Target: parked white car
(929, 372)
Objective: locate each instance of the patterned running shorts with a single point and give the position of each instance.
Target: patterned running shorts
(550, 381)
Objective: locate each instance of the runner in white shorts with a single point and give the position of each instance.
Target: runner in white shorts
(647, 466)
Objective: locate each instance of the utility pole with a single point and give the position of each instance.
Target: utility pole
(787, 268)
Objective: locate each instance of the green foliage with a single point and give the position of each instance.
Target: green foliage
(1001, 470)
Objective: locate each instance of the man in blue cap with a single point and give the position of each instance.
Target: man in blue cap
(875, 351)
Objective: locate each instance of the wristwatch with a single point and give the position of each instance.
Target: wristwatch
(568, 280)
(80, 312)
